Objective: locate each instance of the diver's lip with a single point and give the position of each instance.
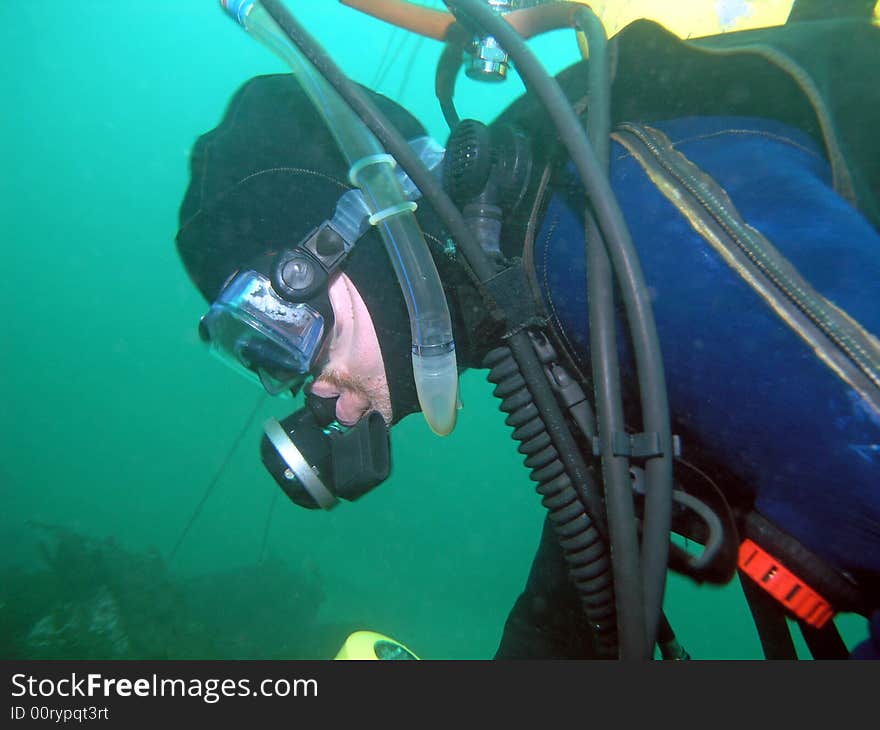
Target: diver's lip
(349, 422)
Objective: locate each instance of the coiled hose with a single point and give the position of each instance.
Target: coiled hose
(582, 544)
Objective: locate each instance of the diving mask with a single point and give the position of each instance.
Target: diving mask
(263, 335)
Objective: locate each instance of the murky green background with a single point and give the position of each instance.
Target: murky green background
(114, 418)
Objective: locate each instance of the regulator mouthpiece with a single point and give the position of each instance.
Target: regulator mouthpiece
(318, 462)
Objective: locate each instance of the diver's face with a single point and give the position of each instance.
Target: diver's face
(351, 368)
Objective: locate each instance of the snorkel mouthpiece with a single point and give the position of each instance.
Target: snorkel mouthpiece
(436, 376)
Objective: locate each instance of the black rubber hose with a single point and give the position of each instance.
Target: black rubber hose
(582, 544)
(599, 79)
(448, 67)
(657, 522)
(483, 268)
(646, 344)
(714, 530)
(619, 507)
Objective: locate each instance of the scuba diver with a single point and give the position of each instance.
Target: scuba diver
(667, 259)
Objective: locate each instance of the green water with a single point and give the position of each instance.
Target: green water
(114, 418)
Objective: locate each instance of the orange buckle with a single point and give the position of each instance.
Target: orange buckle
(783, 585)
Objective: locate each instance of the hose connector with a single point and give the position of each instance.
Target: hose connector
(489, 61)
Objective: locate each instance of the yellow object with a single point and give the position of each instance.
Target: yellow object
(368, 645)
(877, 13)
(694, 18)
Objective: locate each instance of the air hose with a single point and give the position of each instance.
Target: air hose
(620, 509)
(582, 544)
(448, 65)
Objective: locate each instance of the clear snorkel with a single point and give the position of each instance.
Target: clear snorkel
(372, 170)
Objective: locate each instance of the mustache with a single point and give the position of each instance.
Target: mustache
(340, 380)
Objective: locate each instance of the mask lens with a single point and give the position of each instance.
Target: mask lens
(262, 335)
(277, 370)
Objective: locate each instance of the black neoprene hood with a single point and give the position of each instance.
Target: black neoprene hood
(263, 179)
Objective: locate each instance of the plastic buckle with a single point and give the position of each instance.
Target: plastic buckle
(787, 588)
(637, 445)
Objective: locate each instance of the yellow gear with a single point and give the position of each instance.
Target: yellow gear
(368, 645)
(692, 18)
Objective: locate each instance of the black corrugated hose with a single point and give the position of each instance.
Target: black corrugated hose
(583, 546)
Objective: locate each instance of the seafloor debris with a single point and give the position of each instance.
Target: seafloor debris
(94, 599)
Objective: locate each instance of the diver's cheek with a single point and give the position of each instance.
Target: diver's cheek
(351, 406)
